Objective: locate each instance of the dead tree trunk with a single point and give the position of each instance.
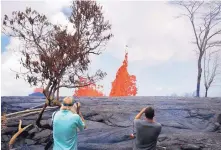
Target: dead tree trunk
(205, 20)
(199, 76)
(206, 92)
(38, 121)
(20, 130)
(211, 71)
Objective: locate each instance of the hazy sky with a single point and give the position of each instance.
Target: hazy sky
(161, 55)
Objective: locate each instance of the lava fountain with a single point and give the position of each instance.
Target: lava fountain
(124, 83)
(92, 90)
(38, 90)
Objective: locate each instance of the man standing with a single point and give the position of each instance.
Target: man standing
(65, 125)
(147, 131)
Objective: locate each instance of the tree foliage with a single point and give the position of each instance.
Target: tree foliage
(53, 57)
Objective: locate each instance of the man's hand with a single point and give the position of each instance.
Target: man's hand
(143, 110)
(140, 113)
(132, 136)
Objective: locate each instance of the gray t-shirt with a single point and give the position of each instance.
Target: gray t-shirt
(146, 134)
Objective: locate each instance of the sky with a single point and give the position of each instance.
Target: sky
(161, 54)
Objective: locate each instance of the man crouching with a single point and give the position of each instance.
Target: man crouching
(66, 121)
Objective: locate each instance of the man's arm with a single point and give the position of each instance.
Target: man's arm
(78, 105)
(80, 123)
(82, 118)
(140, 113)
(138, 116)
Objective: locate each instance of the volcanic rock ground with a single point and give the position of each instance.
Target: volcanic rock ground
(188, 123)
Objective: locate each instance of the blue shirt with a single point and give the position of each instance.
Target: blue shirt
(65, 125)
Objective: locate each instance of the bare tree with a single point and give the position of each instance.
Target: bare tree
(205, 19)
(52, 56)
(211, 69)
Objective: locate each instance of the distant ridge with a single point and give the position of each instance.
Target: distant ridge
(36, 94)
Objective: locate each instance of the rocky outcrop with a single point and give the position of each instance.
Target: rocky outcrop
(188, 123)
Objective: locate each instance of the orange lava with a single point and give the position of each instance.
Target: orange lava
(124, 84)
(92, 90)
(38, 90)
